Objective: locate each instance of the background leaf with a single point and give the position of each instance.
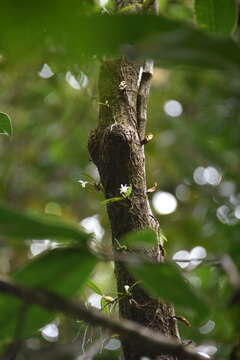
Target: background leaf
(144, 238)
(62, 271)
(175, 43)
(48, 153)
(166, 282)
(31, 226)
(216, 16)
(5, 124)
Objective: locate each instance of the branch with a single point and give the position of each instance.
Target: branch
(149, 341)
(145, 77)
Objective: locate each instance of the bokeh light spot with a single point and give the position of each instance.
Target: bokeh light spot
(164, 202)
(112, 345)
(212, 176)
(206, 349)
(227, 188)
(183, 256)
(208, 327)
(46, 72)
(182, 192)
(209, 175)
(92, 225)
(198, 253)
(50, 332)
(237, 212)
(95, 300)
(77, 83)
(38, 246)
(173, 108)
(102, 3)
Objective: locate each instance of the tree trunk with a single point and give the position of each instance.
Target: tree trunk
(117, 149)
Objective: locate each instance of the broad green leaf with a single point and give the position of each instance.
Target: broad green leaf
(184, 47)
(62, 271)
(144, 238)
(5, 124)
(169, 42)
(166, 282)
(23, 225)
(216, 16)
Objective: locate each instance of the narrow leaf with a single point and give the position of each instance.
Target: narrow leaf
(5, 124)
(104, 305)
(111, 200)
(216, 16)
(94, 287)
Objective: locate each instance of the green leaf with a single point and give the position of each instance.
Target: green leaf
(107, 355)
(111, 200)
(104, 305)
(141, 238)
(62, 271)
(184, 47)
(94, 287)
(23, 225)
(217, 16)
(169, 42)
(128, 192)
(5, 124)
(118, 198)
(166, 282)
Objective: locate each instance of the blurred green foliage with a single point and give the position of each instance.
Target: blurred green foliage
(49, 61)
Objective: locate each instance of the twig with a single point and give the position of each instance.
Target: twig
(150, 342)
(145, 75)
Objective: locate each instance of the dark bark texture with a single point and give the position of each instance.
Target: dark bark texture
(117, 149)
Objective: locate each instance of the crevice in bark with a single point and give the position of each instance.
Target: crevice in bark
(116, 149)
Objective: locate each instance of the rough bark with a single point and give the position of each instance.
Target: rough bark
(117, 149)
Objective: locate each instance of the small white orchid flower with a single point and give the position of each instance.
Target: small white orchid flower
(124, 189)
(83, 183)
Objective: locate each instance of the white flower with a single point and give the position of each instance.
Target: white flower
(122, 85)
(124, 189)
(83, 183)
(127, 288)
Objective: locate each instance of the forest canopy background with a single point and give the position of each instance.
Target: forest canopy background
(48, 79)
